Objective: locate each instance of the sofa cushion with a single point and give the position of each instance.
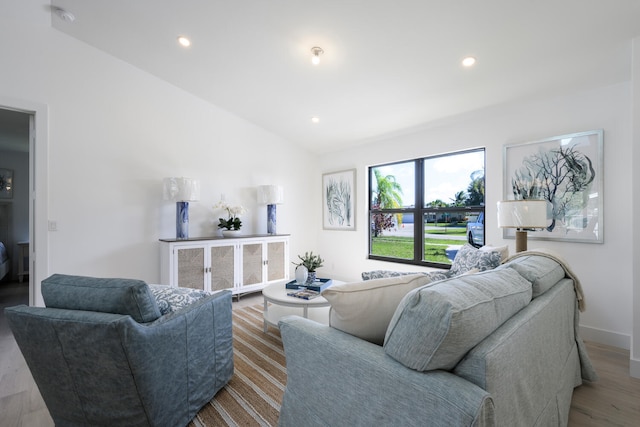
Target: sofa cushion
(119, 296)
(542, 272)
(364, 309)
(170, 299)
(435, 326)
(470, 258)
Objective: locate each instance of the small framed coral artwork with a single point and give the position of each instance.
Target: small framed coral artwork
(339, 200)
(567, 171)
(6, 183)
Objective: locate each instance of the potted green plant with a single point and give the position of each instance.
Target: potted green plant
(311, 262)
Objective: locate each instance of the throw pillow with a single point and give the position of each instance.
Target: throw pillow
(503, 250)
(381, 274)
(170, 299)
(541, 271)
(469, 258)
(435, 326)
(364, 309)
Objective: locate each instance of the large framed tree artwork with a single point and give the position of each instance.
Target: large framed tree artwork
(339, 200)
(566, 171)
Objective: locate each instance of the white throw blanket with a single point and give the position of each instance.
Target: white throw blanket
(568, 271)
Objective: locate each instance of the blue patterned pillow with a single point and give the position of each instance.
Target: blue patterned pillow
(439, 275)
(171, 299)
(383, 274)
(470, 258)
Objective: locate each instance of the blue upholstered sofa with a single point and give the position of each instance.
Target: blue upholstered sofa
(102, 353)
(494, 348)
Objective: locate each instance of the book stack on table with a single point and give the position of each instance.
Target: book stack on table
(318, 286)
(303, 293)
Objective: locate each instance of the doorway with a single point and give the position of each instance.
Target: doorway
(38, 191)
(15, 185)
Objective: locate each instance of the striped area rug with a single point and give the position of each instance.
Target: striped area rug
(254, 394)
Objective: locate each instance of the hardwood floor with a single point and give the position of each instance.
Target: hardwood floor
(613, 401)
(20, 400)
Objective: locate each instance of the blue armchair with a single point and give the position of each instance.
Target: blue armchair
(102, 354)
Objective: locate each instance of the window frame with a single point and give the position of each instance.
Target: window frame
(419, 210)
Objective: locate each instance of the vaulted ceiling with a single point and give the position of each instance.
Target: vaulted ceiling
(387, 66)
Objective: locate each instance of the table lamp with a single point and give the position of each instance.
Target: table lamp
(271, 195)
(182, 190)
(522, 215)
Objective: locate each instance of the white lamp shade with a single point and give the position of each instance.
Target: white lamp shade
(270, 194)
(181, 189)
(522, 214)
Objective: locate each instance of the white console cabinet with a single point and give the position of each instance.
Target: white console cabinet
(242, 264)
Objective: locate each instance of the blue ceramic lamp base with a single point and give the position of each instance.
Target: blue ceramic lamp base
(271, 219)
(182, 220)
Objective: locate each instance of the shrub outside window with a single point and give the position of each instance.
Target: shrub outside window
(422, 211)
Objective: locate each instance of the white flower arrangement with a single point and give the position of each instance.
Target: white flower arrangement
(233, 221)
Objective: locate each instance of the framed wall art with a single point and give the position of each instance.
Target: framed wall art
(6, 183)
(567, 171)
(339, 200)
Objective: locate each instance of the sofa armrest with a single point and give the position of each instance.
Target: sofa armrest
(334, 378)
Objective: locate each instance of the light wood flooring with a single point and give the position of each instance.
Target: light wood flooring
(613, 401)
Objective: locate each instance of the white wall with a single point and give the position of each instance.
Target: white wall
(113, 132)
(634, 192)
(604, 269)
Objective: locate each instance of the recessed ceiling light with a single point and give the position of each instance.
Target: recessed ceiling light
(316, 51)
(468, 61)
(315, 119)
(184, 41)
(64, 15)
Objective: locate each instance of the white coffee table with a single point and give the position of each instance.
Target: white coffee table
(278, 304)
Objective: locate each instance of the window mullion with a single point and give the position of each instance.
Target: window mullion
(418, 228)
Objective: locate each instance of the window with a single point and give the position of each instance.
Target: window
(422, 211)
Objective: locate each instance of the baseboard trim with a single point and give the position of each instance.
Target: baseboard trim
(634, 368)
(601, 336)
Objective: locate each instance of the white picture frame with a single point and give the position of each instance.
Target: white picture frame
(568, 172)
(339, 200)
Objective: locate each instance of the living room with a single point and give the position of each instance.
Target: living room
(107, 132)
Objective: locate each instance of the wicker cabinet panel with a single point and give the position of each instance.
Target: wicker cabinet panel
(223, 259)
(276, 261)
(252, 263)
(191, 268)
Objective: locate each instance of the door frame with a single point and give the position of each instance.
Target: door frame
(38, 191)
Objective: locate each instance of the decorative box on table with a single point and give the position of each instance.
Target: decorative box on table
(318, 286)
